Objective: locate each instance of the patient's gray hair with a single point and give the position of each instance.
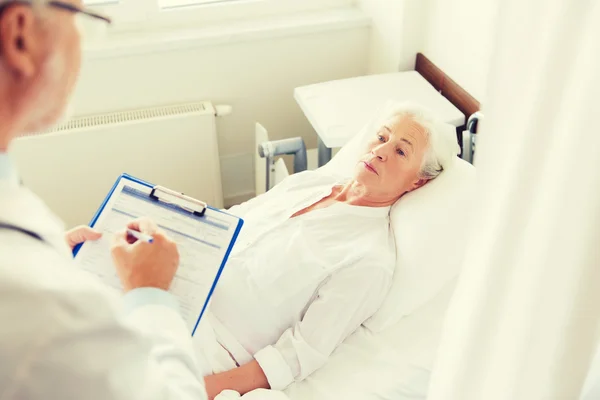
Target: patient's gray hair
(442, 145)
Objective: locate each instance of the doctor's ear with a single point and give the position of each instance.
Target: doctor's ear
(20, 35)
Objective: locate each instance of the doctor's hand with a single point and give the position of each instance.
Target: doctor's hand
(142, 264)
(81, 234)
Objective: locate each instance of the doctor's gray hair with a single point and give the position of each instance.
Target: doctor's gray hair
(442, 145)
(32, 2)
(35, 4)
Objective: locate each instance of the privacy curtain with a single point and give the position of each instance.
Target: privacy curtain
(523, 321)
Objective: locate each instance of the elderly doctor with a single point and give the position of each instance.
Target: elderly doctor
(62, 336)
(316, 256)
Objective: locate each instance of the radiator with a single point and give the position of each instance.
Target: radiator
(73, 166)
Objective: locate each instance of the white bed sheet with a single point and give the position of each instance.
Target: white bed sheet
(393, 364)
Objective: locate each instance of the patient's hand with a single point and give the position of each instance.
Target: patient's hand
(81, 234)
(243, 379)
(141, 264)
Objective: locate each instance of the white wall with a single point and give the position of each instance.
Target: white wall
(459, 39)
(456, 35)
(256, 77)
(398, 33)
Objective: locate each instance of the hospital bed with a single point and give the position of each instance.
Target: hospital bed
(392, 355)
(336, 115)
(270, 168)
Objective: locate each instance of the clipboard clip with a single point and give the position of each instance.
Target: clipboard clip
(187, 203)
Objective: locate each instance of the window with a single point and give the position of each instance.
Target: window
(91, 3)
(150, 14)
(165, 4)
(99, 2)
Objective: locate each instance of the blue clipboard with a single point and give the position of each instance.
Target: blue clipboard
(153, 187)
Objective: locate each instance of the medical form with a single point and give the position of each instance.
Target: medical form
(204, 243)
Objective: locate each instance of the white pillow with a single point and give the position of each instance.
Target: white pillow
(429, 230)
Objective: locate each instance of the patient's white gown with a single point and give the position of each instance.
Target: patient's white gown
(295, 288)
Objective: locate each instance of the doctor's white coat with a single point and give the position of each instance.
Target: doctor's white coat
(63, 337)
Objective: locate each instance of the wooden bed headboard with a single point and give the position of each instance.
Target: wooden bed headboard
(446, 86)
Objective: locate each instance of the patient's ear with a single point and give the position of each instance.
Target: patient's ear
(419, 183)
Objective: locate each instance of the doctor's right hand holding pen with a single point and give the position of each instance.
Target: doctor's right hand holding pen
(144, 256)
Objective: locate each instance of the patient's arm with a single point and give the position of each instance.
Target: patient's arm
(243, 380)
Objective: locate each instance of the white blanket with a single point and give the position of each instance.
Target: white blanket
(394, 364)
(213, 358)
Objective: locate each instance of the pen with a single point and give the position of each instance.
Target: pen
(140, 236)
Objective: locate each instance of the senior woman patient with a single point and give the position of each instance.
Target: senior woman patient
(315, 258)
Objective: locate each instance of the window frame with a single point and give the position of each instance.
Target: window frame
(139, 15)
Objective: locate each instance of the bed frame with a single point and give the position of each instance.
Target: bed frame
(460, 98)
(446, 86)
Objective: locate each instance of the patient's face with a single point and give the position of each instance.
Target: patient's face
(391, 166)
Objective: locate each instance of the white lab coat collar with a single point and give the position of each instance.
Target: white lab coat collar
(7, 169)
(20, 207)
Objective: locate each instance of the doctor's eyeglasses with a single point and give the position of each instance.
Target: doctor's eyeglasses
(78, 10)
